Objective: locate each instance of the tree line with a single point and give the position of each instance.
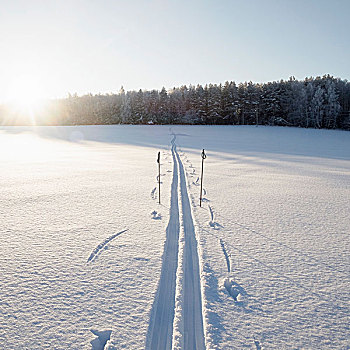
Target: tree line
(321, 102)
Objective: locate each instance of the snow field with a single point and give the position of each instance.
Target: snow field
(281, 221)
(58, 204)
(82, 236)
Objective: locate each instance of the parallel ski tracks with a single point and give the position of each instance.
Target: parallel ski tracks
(161, 325)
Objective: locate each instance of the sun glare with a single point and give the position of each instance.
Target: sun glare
(26, 96)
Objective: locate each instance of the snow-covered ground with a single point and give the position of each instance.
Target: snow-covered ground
(86, 248)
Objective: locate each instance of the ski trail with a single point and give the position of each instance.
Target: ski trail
(161, 326)
(159, 336)
(192, 307)
(97, 251)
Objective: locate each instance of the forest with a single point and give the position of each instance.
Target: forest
(321, 102)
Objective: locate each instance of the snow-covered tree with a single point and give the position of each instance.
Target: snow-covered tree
(316, 107)
(214, 105)
(163, 113)
(322, 102)
(126, 109)
(332, 106)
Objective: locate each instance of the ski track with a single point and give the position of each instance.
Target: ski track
(161, 324)
(162, 315)
(97, 251)
(192, 308)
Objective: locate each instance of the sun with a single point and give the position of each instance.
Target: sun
(25, 96)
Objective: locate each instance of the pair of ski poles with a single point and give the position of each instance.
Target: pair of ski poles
(203, 156)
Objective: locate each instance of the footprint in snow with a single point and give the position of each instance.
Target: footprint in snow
(141, 259)
(156, 215)
(157, 177)
(258, 346)
(227, 255)
(101, 340)
(215, 225)
(235, 290)
(153, 193)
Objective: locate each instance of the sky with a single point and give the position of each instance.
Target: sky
(52, 48)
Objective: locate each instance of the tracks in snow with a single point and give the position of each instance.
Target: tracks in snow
(161, 325)
(160, 331)
(97, 251)
(192, 308)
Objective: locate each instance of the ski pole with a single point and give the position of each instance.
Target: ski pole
(158, 161)
(203, 157)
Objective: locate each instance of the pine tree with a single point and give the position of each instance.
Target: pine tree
(163, 107)
(214, 105)
(332, 107)
(202, 103)
(127, 109)
(317, 107)
(139, 111)
(229, 102)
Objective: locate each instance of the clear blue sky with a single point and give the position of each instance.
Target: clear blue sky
(64, 46)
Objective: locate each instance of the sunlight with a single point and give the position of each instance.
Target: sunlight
(25, 96)
(27, 147)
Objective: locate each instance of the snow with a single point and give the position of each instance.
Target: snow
(85, 245)
(162, 315)
(102, 338)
